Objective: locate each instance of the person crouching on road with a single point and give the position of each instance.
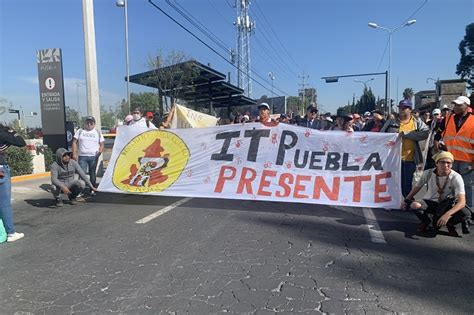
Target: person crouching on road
(445, 198)
(62, 178)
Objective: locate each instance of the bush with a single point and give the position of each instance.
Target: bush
(20, 161)
(49, 157)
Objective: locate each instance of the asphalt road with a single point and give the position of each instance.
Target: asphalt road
(226, 256)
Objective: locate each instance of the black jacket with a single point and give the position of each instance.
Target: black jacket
(8, 137)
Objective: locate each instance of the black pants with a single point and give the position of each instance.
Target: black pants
(438, 209)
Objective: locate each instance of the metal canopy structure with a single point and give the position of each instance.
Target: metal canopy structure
(208, 88)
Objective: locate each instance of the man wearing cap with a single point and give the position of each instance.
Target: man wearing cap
(62, 178)
(264, 113)
(445, 197)
(87, 146)
(458, 137)
(139, 121)
(413, 130)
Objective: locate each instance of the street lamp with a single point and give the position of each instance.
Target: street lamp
(124, 4)
(271, 77)
(390, 32)
(364, 82)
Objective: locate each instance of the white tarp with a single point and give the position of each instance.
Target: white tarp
(251, 161)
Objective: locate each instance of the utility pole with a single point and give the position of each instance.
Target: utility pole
(303, 91)
(245, 27)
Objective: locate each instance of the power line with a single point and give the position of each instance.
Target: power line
(194, 21)
(205, 44)
(275, 34)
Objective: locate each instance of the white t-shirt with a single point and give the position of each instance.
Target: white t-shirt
(142, 123)
(454, 187)
(88, 141)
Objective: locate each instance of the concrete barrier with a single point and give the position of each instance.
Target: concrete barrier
(36, 149)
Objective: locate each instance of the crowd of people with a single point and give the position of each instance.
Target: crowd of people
(446, 157)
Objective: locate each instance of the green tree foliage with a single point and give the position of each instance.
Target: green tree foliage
(108, 118)
(408, 93)
(146, 100)
(20, 161)
(49, 157)
(295, 105)
(366, 102)
(72, 115)
(465, 67)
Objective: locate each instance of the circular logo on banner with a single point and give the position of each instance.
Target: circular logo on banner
(50, 83)
(150, 162)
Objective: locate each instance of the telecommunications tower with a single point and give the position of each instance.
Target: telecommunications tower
(244, 28)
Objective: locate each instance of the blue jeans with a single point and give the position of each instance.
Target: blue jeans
(6, 212)
(89, 163)
(408, 168)
(468, 178)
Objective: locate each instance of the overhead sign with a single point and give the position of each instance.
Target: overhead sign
(51, 86)
(256, 162)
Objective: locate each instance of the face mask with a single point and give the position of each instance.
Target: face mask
(136, 117)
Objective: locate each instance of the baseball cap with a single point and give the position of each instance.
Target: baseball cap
(90, 118)
(263, 105)
(462, 100)
(149, 114)
(367, 114)
(405, 103)
(436, 111)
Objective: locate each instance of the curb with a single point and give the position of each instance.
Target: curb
(22, 178)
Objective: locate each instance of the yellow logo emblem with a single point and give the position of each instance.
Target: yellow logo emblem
(150, 162)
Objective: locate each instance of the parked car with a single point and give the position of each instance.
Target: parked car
(105, 130)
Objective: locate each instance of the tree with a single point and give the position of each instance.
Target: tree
(72, 115)
(294, 104)
(108, 118)
(465, 67)
(171, 74)
(408, 93)
(148, 101)
(366, 102)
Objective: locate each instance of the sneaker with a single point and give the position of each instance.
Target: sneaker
(73, 201)
(59, 202)
(14, 237)
(452, 230)
(465, 227)
(92, 193)
(80, 199)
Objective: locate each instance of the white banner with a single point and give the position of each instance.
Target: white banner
(252, 161)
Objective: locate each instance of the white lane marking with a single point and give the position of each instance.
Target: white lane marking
(163, 211)
(374, 229)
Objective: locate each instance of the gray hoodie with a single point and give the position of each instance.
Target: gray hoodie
(63, 174)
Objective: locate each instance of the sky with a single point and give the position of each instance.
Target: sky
(292, 39)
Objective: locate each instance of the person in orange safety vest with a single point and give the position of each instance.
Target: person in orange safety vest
(458, 138)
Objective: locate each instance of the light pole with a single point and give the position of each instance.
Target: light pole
(364, 82)
(78, 84)
(124, 4)
(390, 32)
(271, 77)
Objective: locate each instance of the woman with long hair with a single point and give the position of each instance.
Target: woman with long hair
(8, 137)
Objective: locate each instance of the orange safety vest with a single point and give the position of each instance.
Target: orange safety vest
(461, 143)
